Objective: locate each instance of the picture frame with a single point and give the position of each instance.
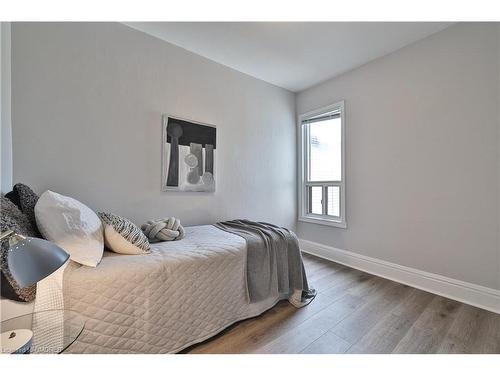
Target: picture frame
(188, 155)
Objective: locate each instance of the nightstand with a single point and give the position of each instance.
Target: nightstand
(42, 332)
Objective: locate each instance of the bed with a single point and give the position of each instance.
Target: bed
(180, 294)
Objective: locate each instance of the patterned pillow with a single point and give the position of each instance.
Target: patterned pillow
(25, 199)
(12, 218)
(122, 236)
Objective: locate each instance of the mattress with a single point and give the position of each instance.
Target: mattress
(180, 294)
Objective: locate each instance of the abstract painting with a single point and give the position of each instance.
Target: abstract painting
(188, 155)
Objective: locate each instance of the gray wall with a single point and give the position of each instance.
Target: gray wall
(422, 156)
(87, 100)
(498, 164)
(423, 140)
(5, 109)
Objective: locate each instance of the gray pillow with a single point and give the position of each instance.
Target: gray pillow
(122, 236)
(12, 218)
(25, 199)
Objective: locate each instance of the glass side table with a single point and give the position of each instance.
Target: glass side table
(42, 332)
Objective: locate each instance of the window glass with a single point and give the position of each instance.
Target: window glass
(333, 207)
(325, 145)
(316, 200)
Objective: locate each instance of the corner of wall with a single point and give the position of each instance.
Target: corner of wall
(297, 161)
(6, 125)
(498, 150)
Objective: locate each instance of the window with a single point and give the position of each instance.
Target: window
(322, 175)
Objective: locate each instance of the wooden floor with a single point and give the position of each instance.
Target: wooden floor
(355, 312)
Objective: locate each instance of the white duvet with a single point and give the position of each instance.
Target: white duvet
(182, 293)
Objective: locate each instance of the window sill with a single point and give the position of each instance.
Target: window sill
(324, 221)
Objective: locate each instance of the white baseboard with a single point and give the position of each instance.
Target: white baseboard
(472, 294)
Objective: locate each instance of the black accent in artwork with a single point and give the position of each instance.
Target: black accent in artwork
(192, 133)
(174, 131)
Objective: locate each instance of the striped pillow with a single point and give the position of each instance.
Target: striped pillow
(122, 236)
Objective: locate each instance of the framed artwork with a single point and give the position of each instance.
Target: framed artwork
(188, 155)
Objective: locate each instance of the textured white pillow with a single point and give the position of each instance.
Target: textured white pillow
(71, 225)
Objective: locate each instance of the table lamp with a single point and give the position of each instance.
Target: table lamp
(29, 260)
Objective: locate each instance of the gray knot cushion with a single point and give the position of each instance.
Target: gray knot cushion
(122, 236)
(168, 229)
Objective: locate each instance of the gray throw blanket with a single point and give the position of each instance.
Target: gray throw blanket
(274, 262)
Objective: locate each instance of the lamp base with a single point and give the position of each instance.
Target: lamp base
(17, 341)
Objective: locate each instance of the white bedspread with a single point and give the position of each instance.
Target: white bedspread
(182, 293)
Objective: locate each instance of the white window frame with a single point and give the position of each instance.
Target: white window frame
(303, 182)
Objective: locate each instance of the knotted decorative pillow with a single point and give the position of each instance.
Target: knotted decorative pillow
(168, 229)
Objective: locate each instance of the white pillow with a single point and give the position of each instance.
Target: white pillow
(72, 226)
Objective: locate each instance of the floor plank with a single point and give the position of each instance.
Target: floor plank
(430, 329)
(362, 320)
(343, 279)
(300, 337)
(329, 343)
(389, 331)
(473, 331)
(326, 273)
(355, 312)
(252, 334)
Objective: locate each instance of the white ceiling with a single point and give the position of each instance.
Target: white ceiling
(292, 55)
